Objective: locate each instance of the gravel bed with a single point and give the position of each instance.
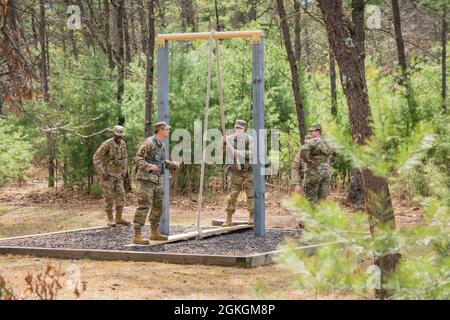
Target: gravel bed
(236, 243)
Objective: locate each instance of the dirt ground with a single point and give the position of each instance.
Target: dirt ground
(32, 208)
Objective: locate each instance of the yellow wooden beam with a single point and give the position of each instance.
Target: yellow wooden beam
(255, 35)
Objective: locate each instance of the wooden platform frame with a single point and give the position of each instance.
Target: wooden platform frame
(245, 261)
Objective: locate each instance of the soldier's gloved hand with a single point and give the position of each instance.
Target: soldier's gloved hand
(153, 168)
(105, 176)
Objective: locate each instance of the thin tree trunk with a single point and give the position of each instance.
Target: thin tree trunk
(216, 9)
(120, 59)
(150, 69)
(126, 34)
(33, 27)
(294, 70)
(86, 21)
(107, 34)
(378, 200)
(297, 34)
(333, 92)
(44, 51)
(143, 26)
(399, 38)
(187, 16)
(444, 59)
(412, 105)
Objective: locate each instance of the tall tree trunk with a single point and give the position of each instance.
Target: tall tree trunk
(294, 70)
(444, 59)
(297, 34)
(412, 117)
(216, 9)
(355, 193)
(107, 34)
(143, 26)
(126, 34)
(399, 38)
(44, 51)
(150, 69)
(87, 22)
(33, 27)
(120, 59)
(333, 92)
(188, 16)
(51, 143)
(378, 200)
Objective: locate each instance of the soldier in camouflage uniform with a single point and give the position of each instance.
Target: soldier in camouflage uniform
(241, 146)
(110, 161)
(298, 170)
(316, 154)
(151, 163)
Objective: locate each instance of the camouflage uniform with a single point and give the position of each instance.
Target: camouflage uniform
(298, 168)
(111, 158)
(316, 154)
(241, 177)
(149, 184)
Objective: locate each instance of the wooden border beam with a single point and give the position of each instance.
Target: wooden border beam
(255, 35)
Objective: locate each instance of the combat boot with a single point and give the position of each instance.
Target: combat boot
(138, 237)
(155, 235)
(111, 222)
(251, 218)
(228, 222)
(119, 219)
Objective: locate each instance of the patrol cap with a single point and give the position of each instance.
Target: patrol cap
(240, 124)
(161, 125)
(119, 131)
(315, 127)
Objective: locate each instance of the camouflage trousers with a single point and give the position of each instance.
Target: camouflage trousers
(149, 196)
(317, 185)
(113, 190)
(240, 181)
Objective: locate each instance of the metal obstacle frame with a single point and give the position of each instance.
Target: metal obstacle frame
(259, 148)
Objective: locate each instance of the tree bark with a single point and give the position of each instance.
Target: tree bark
(294, 70)
(120, 59)
(187, 16)
(44, 51)
(107, 34)
(377, 199)
(333, 92)
(143, 26)
(355, 193)
(126, 33)
(399, 38)
(297, 34)
(150, 70)
(444, 59)
(216, 9)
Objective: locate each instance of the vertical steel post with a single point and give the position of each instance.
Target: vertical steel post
(259, 148)
(163, 115)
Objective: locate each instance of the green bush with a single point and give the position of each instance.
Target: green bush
(16, 152)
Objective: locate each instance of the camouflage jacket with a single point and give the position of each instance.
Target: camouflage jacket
(152, 151)
(111, 158)
(244, 146)
(316, 154)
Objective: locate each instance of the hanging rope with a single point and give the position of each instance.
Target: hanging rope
(222, 108)
(205, 135)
